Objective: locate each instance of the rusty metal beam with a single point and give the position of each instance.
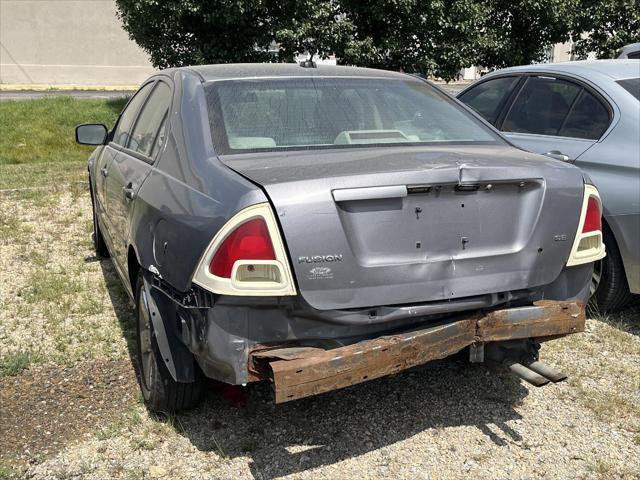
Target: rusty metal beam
(301, 372)
(546, 318)
(367, 360)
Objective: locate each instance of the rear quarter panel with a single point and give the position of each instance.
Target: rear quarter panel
(613, 164)
(188, 195)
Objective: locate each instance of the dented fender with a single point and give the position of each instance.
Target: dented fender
(176, 356)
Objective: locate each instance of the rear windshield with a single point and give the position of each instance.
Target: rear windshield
(315, 113)
(631, 85)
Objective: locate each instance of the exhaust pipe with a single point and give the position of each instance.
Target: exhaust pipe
(525, 374)
(546, 371)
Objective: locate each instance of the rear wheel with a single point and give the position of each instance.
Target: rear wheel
(161, 392)
(609, 285)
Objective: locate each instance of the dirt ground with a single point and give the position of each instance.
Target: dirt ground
(70, 406)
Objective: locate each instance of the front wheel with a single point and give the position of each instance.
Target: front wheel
(160, 391)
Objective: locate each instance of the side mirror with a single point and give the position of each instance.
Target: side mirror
(91, 134)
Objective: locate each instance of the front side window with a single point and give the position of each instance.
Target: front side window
(541, 106)
(316, 112)
(128, 116)
(487, 97)
(145, 132)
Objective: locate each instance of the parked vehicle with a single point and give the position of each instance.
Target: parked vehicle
(320, 227)
(630, 51)
(586, 113)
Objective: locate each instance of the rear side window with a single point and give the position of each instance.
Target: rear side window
(541, 106)
(631, 85)
(145, 133)
(487, 97)
(588, 118)
(128, 116)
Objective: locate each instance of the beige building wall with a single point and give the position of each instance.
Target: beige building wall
(67, 42)
(561, 52)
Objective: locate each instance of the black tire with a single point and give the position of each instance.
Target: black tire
(160, 391)
(99, 244)
(611, 288)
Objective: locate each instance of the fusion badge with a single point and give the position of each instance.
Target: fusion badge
(320, 259)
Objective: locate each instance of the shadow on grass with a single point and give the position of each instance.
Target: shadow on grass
(626, 320)
(122, 306)
(116, 105)
(323, 430)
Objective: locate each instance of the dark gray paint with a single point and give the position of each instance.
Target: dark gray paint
(510, 229)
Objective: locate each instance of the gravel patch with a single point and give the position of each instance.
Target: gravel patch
(444, 420)
(48, 406)
(52, 282)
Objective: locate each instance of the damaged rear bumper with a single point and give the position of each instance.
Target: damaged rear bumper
(299, 372)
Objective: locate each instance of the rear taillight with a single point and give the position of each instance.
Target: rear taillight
(588, 246)
(249, 241)
(247, 257)
(593, 218)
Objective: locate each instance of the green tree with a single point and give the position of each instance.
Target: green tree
(605, 26)
(433, 37)
(519, 32)
(191, 32)
(428, 37)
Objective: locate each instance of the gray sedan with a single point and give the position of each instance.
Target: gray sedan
(319, 227)
(586, 113)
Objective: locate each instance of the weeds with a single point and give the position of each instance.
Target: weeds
(51, 287)
(12, 230)
(14, 364)
(7, 472)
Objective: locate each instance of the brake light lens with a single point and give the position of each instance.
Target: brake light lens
(593, 219)
(587, 245)
(247, 257)
(249, 241)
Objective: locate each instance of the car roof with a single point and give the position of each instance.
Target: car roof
(615, 69)
(268, 70)
(632, 47)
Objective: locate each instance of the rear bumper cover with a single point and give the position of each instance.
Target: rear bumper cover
(303, 371)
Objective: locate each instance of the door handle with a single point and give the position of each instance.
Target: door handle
(558, 155)
(129, 191)
(104, 171)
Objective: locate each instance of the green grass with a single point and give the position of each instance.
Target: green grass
(42, 130)
(50, 287)
(42, 175)
(129, 419)
(12, 230)
(15, 363)
(37, 140)
(7, 472)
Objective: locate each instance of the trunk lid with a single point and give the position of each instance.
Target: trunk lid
(388, 226)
